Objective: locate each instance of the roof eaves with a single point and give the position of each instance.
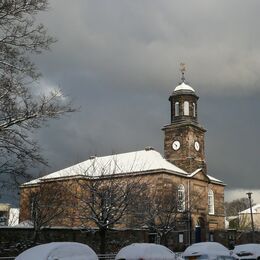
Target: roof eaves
(60, 178)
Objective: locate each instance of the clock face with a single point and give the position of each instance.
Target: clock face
(197, 146)
(176, 145)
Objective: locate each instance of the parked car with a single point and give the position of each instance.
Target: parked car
(247, 251)
(145, 251)
(207, 250)
(59, 251)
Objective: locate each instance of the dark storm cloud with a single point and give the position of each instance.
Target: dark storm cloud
(119, 61)
(143, 41)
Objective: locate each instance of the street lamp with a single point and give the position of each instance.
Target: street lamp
(251, 213)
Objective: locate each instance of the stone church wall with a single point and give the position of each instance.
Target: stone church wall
(161, 182)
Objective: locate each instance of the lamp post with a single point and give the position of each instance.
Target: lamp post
(251, 213)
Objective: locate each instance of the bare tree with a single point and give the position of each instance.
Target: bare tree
(236, 220)
(21, 109)
(233, 207)
(13, 218)
(46, 204)
(243, 222)
(106, 198)
(161, 212)
(169, 210)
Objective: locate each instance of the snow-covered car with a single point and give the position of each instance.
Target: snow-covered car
(207, 250)
(59, 251)
(247, 251)
(145, 251)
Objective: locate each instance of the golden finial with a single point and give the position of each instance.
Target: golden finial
(182, 69)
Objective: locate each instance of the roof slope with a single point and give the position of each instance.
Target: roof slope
(255, 209)
(133, 162)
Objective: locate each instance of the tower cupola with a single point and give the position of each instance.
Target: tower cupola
(184, 88)
(184, 136)
(183, 101)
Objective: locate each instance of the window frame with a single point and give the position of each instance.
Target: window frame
(194, 109)
(186, 108)
(211, 202)
(181, 198)
(176, 109)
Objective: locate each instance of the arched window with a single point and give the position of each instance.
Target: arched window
(194, 109)
(177, 108)
(186, 108)
(181, 198)
(211, 202)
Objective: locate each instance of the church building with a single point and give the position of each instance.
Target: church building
(183, 164)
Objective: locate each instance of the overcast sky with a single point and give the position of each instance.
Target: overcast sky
(119, 61)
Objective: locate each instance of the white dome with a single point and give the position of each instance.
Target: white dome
(184, 86)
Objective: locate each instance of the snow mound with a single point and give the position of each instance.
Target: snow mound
(206, 249)
(145, 251)
(26, 223)
(59, 250)
(247, 251)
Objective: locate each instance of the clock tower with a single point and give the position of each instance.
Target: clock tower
(184, 136)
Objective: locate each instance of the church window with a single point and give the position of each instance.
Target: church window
(181, 198)
(177, 108)
(211, 202)
(34, 203)
(186, 108)
(194, 109)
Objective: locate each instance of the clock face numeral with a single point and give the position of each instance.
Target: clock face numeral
(176, 145)
(197, 146)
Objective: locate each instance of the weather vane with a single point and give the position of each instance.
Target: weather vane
(182, 69)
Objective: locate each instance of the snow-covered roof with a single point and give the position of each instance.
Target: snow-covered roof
(132, 162)
(143, 161)
(206, 248)
(255, 209)
(25, 224)
(4, 206)
(146, 251)
(210, 177)
(59, 250)
(214, 179)
(184, 86)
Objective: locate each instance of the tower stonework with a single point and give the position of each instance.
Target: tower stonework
(184, 143)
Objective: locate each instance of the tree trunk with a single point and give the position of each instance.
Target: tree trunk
(164, 240)
(35, 237)
(103, 242)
